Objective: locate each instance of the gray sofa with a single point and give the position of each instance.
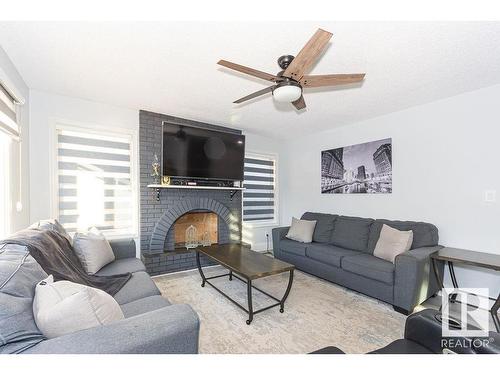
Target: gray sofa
(151, 325)
(342, 252)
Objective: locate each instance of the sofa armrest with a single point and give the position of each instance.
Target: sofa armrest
(414, 279)
(278, 235)
(172, 329)
(425, 328)
(123, 248)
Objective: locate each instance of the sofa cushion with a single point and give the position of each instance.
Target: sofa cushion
(324, 225)
(328, 254)
(139, 286)
(144, 305)
(424, 234)
(120, 266)
(293, 247)
(370, 266)
(19, 274)
(351, 233)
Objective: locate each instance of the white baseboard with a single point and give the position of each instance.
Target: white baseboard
(261, 247)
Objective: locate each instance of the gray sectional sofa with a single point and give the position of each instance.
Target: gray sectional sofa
(151, 325)
(342, 252)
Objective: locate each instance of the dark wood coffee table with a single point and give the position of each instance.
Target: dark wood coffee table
(250, 265)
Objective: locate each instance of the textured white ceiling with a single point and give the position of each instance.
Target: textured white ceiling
(171, 67)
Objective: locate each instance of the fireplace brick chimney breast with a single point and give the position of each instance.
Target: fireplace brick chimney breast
(157, 217)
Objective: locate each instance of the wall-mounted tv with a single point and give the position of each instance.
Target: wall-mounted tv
(192, 152)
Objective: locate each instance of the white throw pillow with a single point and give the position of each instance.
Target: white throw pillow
(93, 250)
(301, 230)
(392, 242)
(64, 307)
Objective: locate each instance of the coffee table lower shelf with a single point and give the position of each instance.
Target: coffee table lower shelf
(249, 310)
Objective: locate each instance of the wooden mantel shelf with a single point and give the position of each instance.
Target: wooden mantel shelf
(153, 186)
(232, 189)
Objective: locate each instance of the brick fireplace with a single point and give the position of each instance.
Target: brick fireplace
(162, 216)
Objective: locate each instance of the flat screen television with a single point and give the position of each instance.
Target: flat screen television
(191, 152)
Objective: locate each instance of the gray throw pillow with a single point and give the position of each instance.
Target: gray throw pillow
(392, 242)
(301, 230)
(52, 224)
(93, 250)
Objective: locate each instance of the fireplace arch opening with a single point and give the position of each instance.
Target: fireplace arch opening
(196, 228)
(163, 236)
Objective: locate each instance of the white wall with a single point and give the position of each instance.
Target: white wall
(259, 236)
(47, 109)
(445, 155)
(19, 174)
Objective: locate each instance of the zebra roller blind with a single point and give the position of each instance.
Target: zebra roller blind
(8, 116)
(95, 182)
(259, 193)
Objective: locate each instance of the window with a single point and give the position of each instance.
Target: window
(259, 199)
(8, 115)
(9, 130)
(95, 181)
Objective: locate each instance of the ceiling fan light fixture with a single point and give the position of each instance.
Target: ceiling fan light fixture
(287, 92)
(289, 82)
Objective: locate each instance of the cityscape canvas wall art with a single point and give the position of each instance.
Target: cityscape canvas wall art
(365, 168)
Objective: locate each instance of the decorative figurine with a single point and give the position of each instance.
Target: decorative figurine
(155, 170)
(165, 180)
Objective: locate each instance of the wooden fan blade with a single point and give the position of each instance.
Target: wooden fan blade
(330, 79)
(255, 94)
(299, 103)
(307, 55)
(249, 71)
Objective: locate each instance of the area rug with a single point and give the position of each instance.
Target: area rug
(317, 314)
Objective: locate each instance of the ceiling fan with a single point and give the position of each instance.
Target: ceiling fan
(290, 82)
